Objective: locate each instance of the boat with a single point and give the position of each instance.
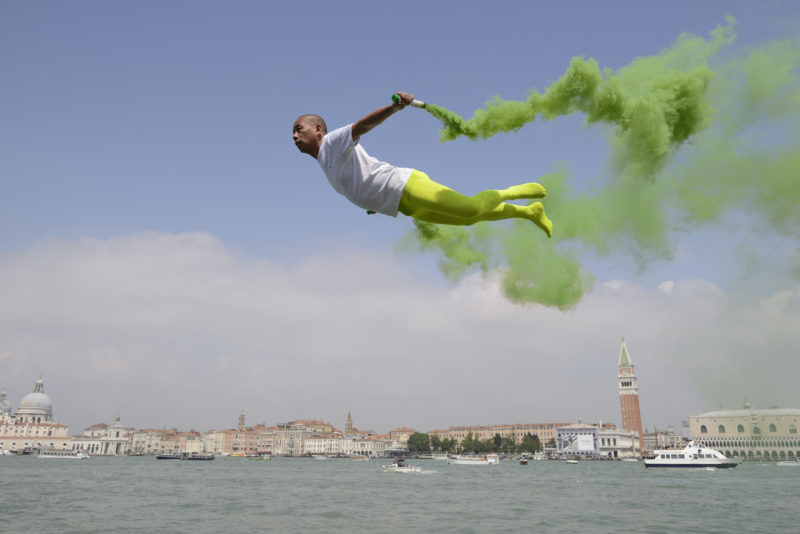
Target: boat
(571, 461)
(5, 452)
(399, 466)
(197, 456)
(523, 461)
(168, 457)
(54, 453)
(488, 459)
(259, 457)
(792, 463)
(692, 456)
(539, 455)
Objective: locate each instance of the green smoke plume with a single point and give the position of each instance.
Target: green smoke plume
(687, 148)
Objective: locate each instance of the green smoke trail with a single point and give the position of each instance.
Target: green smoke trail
(656, 103)
(657, 184)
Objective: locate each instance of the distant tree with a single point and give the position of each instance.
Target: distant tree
(481, 447)
(468, 443)
(436, 443)
(419, 442)
(446, 445)
(498, 441)
(551, 443)
(530, 443)
(508, 445)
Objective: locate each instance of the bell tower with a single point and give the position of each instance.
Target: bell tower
(348, 425)
(629, 395)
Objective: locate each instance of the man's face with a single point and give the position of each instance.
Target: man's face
(304, 134)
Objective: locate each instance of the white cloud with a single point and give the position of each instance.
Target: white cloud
(177, 330)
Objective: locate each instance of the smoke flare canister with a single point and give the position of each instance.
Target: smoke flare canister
(414, 103)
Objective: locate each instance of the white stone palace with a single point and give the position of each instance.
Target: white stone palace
(751, 434)
(32, 426)
(104, 440)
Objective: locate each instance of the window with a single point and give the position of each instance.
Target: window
(721, 429)
(792, 429)
(772, 428)
(703, 429)
(740, 429)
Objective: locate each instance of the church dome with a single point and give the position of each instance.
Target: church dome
(36, 403)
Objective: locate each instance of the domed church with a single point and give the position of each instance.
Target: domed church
(33, 426)
(35, 407)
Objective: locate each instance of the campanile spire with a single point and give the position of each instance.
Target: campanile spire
(629, 394)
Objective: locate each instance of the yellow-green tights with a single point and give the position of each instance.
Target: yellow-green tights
(428, 201)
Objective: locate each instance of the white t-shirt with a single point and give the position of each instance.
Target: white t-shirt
(365, 181)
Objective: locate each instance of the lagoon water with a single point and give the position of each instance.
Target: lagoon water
(231, 495)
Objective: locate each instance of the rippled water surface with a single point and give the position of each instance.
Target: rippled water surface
(142, 494)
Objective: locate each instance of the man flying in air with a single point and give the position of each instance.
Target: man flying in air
(379, 187)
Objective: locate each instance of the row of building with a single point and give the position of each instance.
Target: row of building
(748, 433)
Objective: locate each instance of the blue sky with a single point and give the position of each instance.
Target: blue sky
(147, 172)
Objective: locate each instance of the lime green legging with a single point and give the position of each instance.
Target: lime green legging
(429, 201)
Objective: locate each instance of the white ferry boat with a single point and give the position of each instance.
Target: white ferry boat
(53, 453)
(693, 455)
(488, 459)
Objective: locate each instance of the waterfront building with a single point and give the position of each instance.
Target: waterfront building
(214, 442)
(368, 447)
(604, 441)
(324, 444)
(517, 432)
(308, 425)
(401, 435)
(194, 444)
(578, 439)
(289, 442)
(616, 443)
(749, 433)
(33, 425)
(663, 439)
(629, 394)
(104, 440)
(153, 441)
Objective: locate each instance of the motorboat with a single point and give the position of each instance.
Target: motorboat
(55, 453)
(197, 456)
(488, 459)
(791, 463)
(693, 455)
(258, 457)
(168, 457)
(399, 466)
(571, 461)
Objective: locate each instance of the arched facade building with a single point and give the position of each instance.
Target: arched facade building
(750, 434)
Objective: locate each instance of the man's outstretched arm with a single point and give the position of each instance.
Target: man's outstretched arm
(372, 120)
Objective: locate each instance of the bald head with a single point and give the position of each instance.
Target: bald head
(308, 132)
(313, 120)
